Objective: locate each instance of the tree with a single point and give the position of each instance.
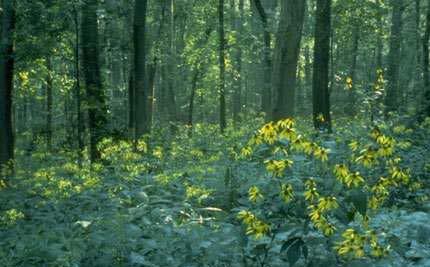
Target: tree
(320, 92)
(392, 99)
(237, 25)
(266, 101)
(6, 82)
(140, 89)
(286, 57)
(97, 109)
(426, 70)
(222, 44)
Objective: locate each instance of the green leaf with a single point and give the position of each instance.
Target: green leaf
(294, 252)
(359, 200)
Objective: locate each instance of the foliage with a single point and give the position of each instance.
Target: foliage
(209, 201)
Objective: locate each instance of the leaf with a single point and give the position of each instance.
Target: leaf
(84, 224)
(288, 243)
(294, 252)
(305, 251)
(359, 199)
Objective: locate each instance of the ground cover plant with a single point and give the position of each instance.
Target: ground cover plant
(219, 133)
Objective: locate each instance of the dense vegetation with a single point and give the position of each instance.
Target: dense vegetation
(214, 133)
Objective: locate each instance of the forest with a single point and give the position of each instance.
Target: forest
(223, 133)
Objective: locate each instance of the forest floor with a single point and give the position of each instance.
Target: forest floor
(206, 201)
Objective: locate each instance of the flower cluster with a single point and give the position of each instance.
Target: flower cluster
(318, 208)
(254, 226)
(354, 244)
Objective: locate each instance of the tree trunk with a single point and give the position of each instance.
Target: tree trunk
(320, 93)
(97, 109)
(352, 71)
(222, 44)
(286, 57)
(49, 103)
(392, 99)
(237, 76)
(171, 68)
(79, 121)
(426, 70)
(266, 101)
(191, 104)
(6, 82)
(141, 91)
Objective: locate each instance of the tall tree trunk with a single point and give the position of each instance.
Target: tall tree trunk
(426, 68)
(49, 103)
(191, 104)
(97, 109)
(79, 121)
(6, 82)
(141, 91)
(286, 57)
(392, 99)
(266, 101)
(237, 76)
(171, 70)
(320, 93)
(222, 44)
(352, 71)
(379, 41)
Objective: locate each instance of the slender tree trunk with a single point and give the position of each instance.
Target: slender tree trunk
(379, 41)
(426, 68)
(97, 109)
(49, 103)
(80, 125)
(222, 44)
(286, 57)
(191, 104)
(352, 71)
(237, 79)
(392, 99)
(320, 93)
(141, 91)
(6, 82)
(171, 70)
(266, 101)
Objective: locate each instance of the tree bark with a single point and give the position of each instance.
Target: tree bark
(320, 93)
(350, 109)
(6, 82)
(237, 76)
(266, 101)
(97, 109)
(286, 57)
(426, 68)
(141, 92)
(392, 99)
(222, 44)
(49, 103)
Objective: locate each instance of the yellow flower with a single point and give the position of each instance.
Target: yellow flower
(277, 167)
(287, 193)
(367, 158)
(311, 194)
(321, 154)
(246, 151)
(327, 203)
(286, 123)
(254, 194)
(353, 145)
(349, 83)
(341, 171)
(158, 152)
(354, 179)
(246, 216)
